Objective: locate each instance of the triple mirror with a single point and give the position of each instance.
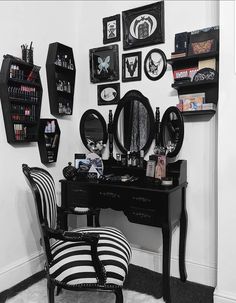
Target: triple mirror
(133, 127)
(93, 131)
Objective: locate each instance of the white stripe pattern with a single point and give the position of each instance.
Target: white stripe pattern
(73, 263)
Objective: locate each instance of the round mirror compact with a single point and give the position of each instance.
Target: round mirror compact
(93, 131)
(133, 125)
(172, 131)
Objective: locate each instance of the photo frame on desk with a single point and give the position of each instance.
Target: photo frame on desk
(143, 26)
(104, 64)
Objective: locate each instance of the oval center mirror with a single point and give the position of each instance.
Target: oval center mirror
(93, 131)
(133, 123)
(172, 131)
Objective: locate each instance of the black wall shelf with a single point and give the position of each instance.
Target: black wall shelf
(21, 96)
(199, 112)
(210, 88)
(60, 67)
(191, 60)
(49, 139)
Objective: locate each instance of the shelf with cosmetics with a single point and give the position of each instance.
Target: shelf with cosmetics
(21, 96)
(48, 140)
(60, 67)
(196, 83)
(195, 65)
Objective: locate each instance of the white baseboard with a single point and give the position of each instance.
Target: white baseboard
(197, 273)
(20, 270)
(24, 268)
(223, 297)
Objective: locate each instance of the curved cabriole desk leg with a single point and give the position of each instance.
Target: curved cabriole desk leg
(183, 235)
(167, 237)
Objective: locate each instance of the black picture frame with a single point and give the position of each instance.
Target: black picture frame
(155, 64)
(104, 64)
(143, 26)
(131, 66)
(111, 29)
(108, 94)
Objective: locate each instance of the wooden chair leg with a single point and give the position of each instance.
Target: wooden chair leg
(97, 223)
(50, 287)
(59, 288)
(119, 295)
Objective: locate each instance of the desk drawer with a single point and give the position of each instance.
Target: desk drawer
(108, 198)
(77, 195)
(139, 198)
(143, 216)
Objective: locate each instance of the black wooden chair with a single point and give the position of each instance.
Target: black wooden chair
(90, 258)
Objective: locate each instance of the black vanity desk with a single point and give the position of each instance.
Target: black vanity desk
(142, 203)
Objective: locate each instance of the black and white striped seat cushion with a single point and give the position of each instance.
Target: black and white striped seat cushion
(72, 262)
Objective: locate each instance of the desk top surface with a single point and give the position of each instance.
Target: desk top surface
(147, 186)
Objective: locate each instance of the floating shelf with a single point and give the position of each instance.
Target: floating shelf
(49, 138)
(192, 59)
(60, 67)
(199, 112)
(21, 99)
(194, 84)
(210, 88)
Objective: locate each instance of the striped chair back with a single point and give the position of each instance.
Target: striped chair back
(43, 187)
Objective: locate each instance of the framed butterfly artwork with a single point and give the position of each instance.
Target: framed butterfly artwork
(104, 64)
(155, 64)
(131, 66)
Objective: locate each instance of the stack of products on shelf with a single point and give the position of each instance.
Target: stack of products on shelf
(64, 61)
(194, 102)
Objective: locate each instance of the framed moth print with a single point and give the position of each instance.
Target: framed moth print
(155, 64)
(111, 29)
(143, 26)
(108, 94)
(104, 64)
(131, 66)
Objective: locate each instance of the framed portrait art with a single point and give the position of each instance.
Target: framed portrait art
(104, 64)
(111, 29)
(108, 94)
(155, 64)
(131, 66)
(143, 26)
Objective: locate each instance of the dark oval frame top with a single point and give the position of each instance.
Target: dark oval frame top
(82, 122)
(164, 124)
(163, 56)
(129, 96)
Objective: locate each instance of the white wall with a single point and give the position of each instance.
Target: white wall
(226, 268)
(79, 24)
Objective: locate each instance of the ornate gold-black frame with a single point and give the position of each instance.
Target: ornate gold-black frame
(155, 10)
(110, 72)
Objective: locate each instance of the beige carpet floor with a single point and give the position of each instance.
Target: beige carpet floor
(37, 293)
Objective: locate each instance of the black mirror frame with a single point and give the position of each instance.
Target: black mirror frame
(82, 122)
(175, 110)
(129, 96)
(161, 74)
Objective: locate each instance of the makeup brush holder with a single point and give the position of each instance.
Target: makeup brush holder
(27, 55)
